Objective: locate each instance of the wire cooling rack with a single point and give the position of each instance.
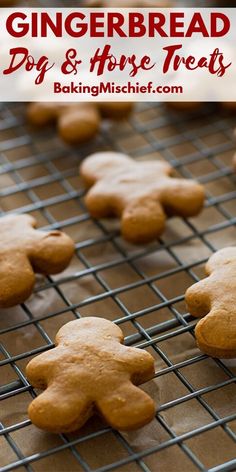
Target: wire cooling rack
(140, 288)
(38, 175)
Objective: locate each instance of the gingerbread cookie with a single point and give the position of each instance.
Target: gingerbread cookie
(214, 300)
(7, 3)
(77, 123)
(142, 194)
(90, 371)
(127, 3)
(24, 251)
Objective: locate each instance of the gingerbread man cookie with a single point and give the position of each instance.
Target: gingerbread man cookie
(7, 3)
(127, 3)
(214, 300)
(76, 122)
(24, 251)
(142, 194)
(90, 371)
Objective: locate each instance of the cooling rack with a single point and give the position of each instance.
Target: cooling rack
(140, 288)
(39, 176)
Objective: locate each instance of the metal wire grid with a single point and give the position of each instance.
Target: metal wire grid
(150, 337)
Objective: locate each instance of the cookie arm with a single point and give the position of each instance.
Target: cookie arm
(215, 334)
(198, 298)
(102, 164)
(39, 368)
(126, 407)
(138, 362)
(143, 221)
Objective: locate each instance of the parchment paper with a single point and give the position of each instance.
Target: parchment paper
(211, 448)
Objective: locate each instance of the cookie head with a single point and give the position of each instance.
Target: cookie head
(221, 260)
(90, 371)
(90, 329)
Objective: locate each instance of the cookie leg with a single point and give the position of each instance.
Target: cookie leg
(216, 335)
(38, 370)
(16, 279)
(139, 363)
(59, 411)
(143, 222)
(198, 299)
(127, 407)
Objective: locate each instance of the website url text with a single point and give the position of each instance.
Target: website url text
(111, 88)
